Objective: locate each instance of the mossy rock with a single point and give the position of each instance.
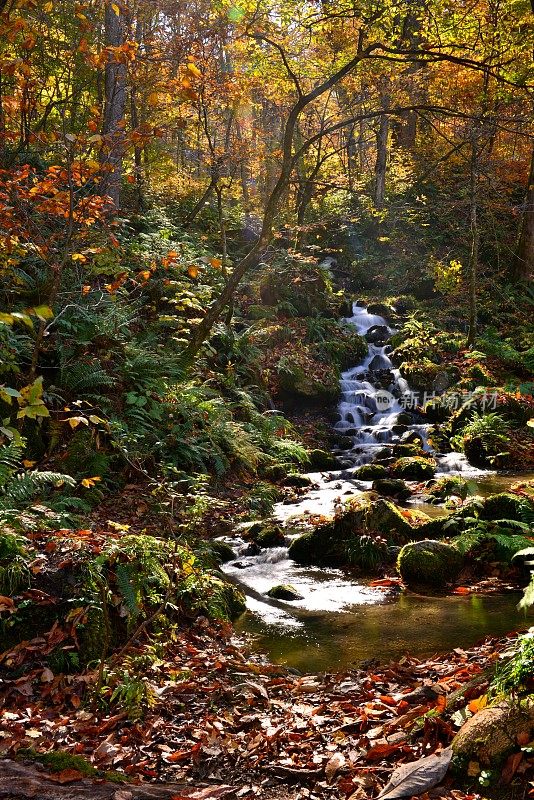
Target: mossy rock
(370, 472)
(322, 460)
(264, 534)
(321, 546)
(284, 592)
(420, 374)
(409, 450)
(392, 487)
(327, 543)
(297, 481)
(274, 472)
(437, 528)
(270, 536)
(504, 505)
(223, 551)
(384, 517)
(380, 310)
(492, 733)
(414, 468)
(429, 564)
(300, 379)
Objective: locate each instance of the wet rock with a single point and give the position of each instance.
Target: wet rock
(410, 437)
(392, 487)
(414, 468)
(406, 450)
(369, 472)
(393, 553)
(284, 592)
(494, 731)
(378, 363)
(429, 564)
(377, 334)
(405, 418)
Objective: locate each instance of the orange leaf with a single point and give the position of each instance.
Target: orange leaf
(216, 263)
(193, 271)
(462, 590)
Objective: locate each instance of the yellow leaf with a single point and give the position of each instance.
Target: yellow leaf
(193, 271)
(28, 463)
(48, 7)
(194, 70)
(78, 257)
(86, 289)
(88, 482)
(478, 704)
(153, 98)
(144, 275)
(116, 9)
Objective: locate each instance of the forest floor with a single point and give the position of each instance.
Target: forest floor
(224, 721)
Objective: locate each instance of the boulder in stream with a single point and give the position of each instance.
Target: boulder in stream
(392, 487)
(284, 592)
(429, 564)
(323, 460)
(369, 472)
(385, 518)
(414, 468)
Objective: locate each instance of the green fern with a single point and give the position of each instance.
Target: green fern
(128, 583)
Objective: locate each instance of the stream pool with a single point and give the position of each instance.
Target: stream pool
(420, 626)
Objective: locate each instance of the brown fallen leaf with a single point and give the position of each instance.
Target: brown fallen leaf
(65, 776)
(334, 765)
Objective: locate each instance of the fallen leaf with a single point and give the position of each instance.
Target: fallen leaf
(418, 776)
(334, 765)
(65, 776)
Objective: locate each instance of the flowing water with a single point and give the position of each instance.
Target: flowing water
(342, 620)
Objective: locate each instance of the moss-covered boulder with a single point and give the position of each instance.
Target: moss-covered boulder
(414, 468)
(380, 309)
(222, 551)
(429, 564)
(302, 375)
(406, 450)
(420, 374)
(369, 472)
(284, 592)
(323, 460)
(392, 487)
(264, 534)
(504, 505)
(440, 527)
(492, 733)
(327, 543)
(297, 481)
(385, 518)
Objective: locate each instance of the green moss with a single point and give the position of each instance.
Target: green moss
(369, 472)
(58, 760)
(414, 468)
(392, 487)
(429, 563)
(284, 592)
(323, 460)
(504, 505)
(420, 374)
(222, 551)
(385, 518)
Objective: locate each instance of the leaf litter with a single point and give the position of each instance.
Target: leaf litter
(225, 716)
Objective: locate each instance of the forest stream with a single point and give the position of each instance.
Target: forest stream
(342, 621)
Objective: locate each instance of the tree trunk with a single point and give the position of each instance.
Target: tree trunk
(523, 262)
(114, 108)
(475, 237)
(381, 158)
(19, 781)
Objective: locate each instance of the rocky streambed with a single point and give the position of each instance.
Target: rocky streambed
(314, 607)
